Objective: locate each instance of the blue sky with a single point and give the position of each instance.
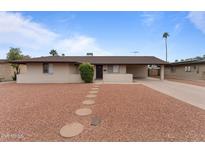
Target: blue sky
(104, 33)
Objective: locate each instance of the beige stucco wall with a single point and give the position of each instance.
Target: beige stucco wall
(69, 73)
(125, 78)
(181, 74)
(138, 71)
(62, 73)
(7, 71)
(120, 76)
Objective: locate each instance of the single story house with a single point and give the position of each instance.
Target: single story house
(7, 71)
(191, 70)
(64, 69)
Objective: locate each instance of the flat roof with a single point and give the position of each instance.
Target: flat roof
(95, 60)
(188, 62)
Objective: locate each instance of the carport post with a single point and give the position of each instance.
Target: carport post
(162, 72)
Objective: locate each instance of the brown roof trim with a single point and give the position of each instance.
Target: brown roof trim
(95, 60)
(3, 61)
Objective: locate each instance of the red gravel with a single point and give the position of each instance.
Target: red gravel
(38, 111)
(127, 112)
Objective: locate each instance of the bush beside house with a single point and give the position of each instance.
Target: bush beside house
(86, 72)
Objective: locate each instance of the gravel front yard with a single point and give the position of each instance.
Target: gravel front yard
(127, 112)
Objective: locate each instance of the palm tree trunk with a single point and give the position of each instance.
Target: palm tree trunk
(166, 47)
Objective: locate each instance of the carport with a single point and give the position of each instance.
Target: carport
(141, 71)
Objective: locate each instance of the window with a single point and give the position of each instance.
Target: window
(110, 69)
(197, 71)
(173, 69)
(113, 68)
(187, 68)
(116, 68)
(47, 68)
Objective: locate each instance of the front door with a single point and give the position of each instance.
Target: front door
(99, 71)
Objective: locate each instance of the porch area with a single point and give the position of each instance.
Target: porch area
(122, 73)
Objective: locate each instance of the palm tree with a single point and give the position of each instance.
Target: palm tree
(53, 52)
(165, 36)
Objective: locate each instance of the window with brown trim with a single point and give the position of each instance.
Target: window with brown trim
(45, 68)
(113, 68)
(173, 69)
(187, 68)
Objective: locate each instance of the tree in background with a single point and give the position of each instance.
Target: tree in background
(165, 36)
(53, 52)
(16, 54)
(86, 72)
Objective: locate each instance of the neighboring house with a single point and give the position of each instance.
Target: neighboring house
(64, 69)
(191, 70)
(7, 71)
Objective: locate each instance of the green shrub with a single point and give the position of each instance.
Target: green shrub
(86, 72)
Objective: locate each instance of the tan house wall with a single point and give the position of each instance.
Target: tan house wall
(62, 73)
(69, 73)
(121, 76)
(138, 71)
(125, 78)
(197, 72)
(7, 71)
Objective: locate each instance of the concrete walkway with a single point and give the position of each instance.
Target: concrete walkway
(191, 94)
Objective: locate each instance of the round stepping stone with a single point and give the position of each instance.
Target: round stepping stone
(71, 129)
(91, 96)
(83, 111)
(93, 92)
(88, 102)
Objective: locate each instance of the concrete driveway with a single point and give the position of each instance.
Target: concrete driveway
(191, 94)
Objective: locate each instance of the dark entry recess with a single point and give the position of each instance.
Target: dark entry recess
(99, 71)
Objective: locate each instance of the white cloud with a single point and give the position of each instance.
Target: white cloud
(79, 45)
(177, 28)
(198, 19)
(149, 18)
(17, 30)
(20, 31)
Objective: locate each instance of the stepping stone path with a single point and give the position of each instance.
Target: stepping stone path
(88, 102)
(94, 88)
(71, 130)
(75, 128)
(93, 92)
(83, 111)
(91, 96)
